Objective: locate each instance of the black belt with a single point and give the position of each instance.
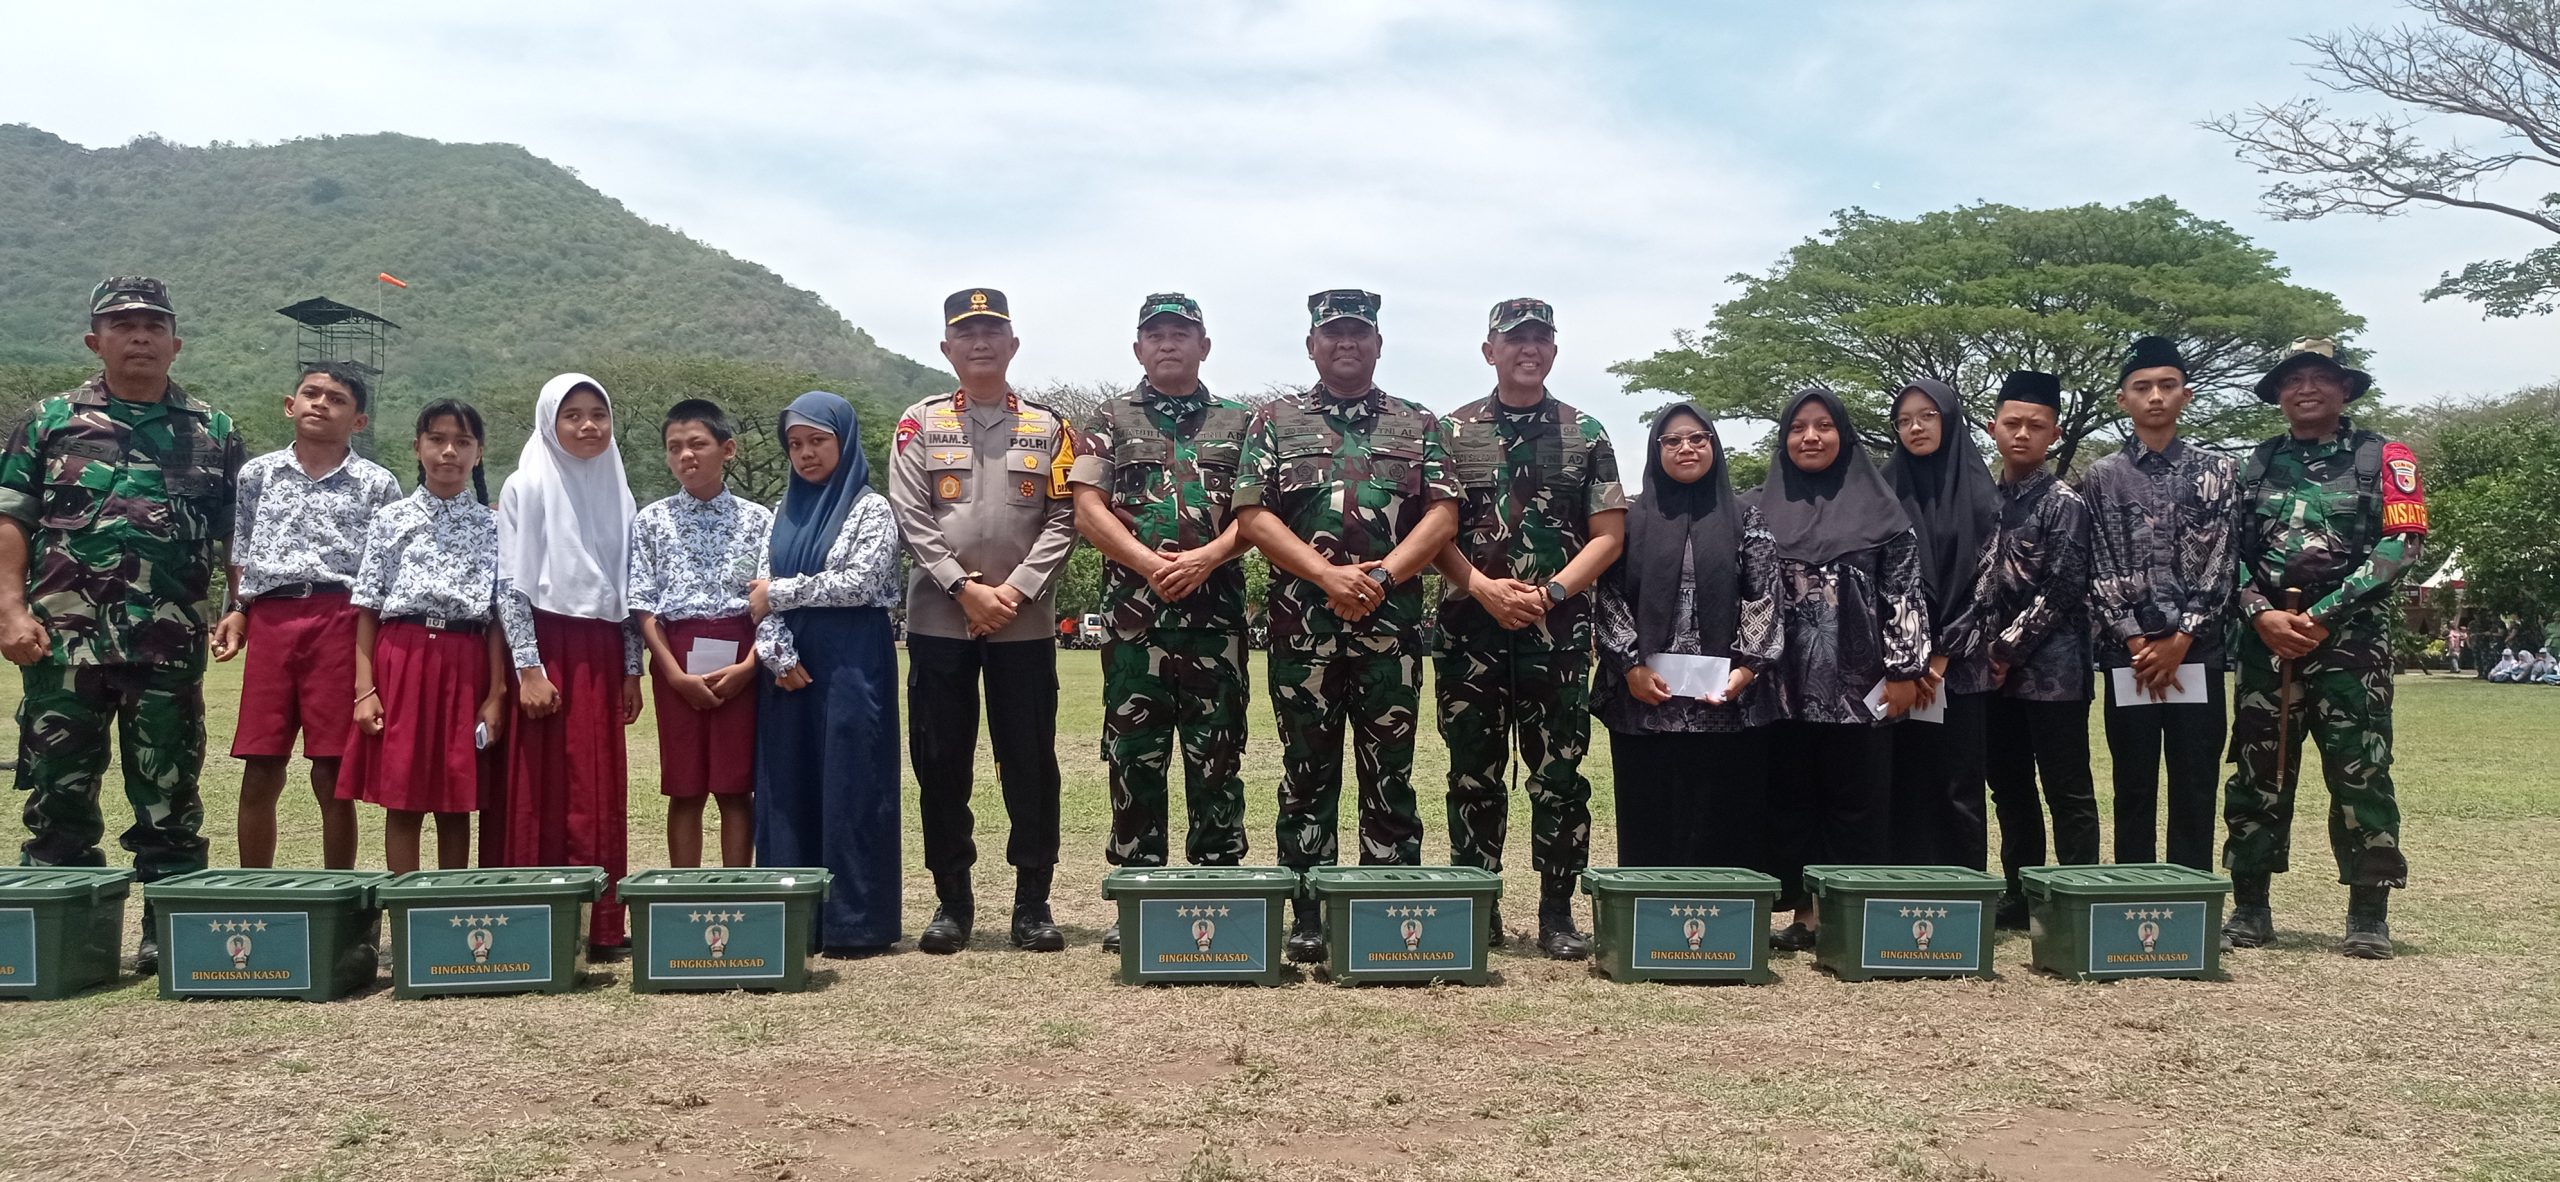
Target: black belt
(303, 590)
(440, 623)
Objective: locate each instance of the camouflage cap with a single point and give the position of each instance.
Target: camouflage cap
(1169, 303)
(1511, 314)
(2311, 351)
(975, 301)
(125, 293)
(1325, 307)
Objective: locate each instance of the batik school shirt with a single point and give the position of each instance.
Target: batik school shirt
(2161, 554)
(429, 557)
(861, 571)
(1851, 622)
(692, 559)
(293, 527)
(1757, 643)
(2038, 605)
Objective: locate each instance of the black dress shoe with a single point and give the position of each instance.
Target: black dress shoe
(1111, 938)
(1306, 933)
(1035, 931)
(947, 933)
(2012, 914)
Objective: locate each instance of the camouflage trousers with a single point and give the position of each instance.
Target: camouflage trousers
(1491, 689)
(158, 713)
(1318, 685)
(2348, 715)
(1173, 688)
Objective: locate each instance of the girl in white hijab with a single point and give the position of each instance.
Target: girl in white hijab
(564, 551)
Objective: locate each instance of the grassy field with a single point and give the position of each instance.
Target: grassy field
(998, 1064)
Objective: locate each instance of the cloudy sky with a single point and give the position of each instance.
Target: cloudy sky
(1618, 160)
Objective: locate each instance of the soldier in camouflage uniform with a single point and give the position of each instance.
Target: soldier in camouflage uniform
(1155, 469)
(115, 502)
(1540, 516)
(2336, 515)
(1345, 490)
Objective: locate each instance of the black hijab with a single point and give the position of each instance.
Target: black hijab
(1667, 517)
(1949, 498)
(1845, 508)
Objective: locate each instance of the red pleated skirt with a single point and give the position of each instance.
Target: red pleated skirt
(565, 801)
(431, 684)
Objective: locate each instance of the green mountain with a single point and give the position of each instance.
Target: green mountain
(518, 270)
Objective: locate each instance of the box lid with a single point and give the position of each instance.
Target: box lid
(520, 882)
(2120, 882)
(1676, 880)
(727, 883)
(63, 884)
(1404, 880)
(1199, 880)
(268, 886)
(1867, 880)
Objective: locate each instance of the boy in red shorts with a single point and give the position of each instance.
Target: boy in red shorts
(692, 556)
(295, 549)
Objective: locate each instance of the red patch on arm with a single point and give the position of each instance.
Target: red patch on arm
(2404, 496)
(907, 429)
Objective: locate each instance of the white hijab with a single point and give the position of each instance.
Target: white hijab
(564, 524)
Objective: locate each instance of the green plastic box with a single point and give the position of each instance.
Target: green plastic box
(309, 934)
(1903, 921)
(2106, 922)
(723, 928)
(60, 927)
(488, 931)
(1667, 924)
(1199, 924)
(1404, 923)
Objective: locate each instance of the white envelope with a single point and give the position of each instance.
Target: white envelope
(1691, 676)
(2190, 689)
(1935, 711)
(709, 656)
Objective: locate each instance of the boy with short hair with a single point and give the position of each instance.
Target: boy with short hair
(2034, 597)
(2162, 570)
(692, 557)
(296, 546)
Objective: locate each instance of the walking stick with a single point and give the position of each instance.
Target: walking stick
(2284, 704)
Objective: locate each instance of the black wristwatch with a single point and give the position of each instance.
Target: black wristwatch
(1386, 581)
(1557, 593)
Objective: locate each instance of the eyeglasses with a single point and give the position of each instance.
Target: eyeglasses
(1695, 440)
(1907, 422)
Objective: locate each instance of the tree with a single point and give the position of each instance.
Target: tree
(1967, 295)
(2493, 493)
(2494, 65)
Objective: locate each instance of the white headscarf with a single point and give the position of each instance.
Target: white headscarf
(564, 524)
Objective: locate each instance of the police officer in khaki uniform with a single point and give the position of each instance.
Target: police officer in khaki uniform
(979, 485)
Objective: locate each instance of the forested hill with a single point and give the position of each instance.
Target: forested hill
(518, 269)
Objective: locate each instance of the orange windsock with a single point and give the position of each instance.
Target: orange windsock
(388, 277)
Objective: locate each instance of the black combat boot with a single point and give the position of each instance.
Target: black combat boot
(1306, 931)
(1556, 936)
(146, 954)
(2368, 923)
(1111, 937)
(2253, 922)
(1493, 933)
(1033, 928)
(955, 914)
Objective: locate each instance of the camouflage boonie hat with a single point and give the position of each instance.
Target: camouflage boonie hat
(1511, 314)
(2310, 351)
(1169, 303)
(126, 293)
(1325, 307)
(975, 301)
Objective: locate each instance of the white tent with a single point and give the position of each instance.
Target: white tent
(2448, 575)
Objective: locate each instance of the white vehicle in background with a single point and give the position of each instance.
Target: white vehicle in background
(1089, 632)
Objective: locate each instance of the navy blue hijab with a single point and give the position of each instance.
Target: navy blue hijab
(812, 514)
